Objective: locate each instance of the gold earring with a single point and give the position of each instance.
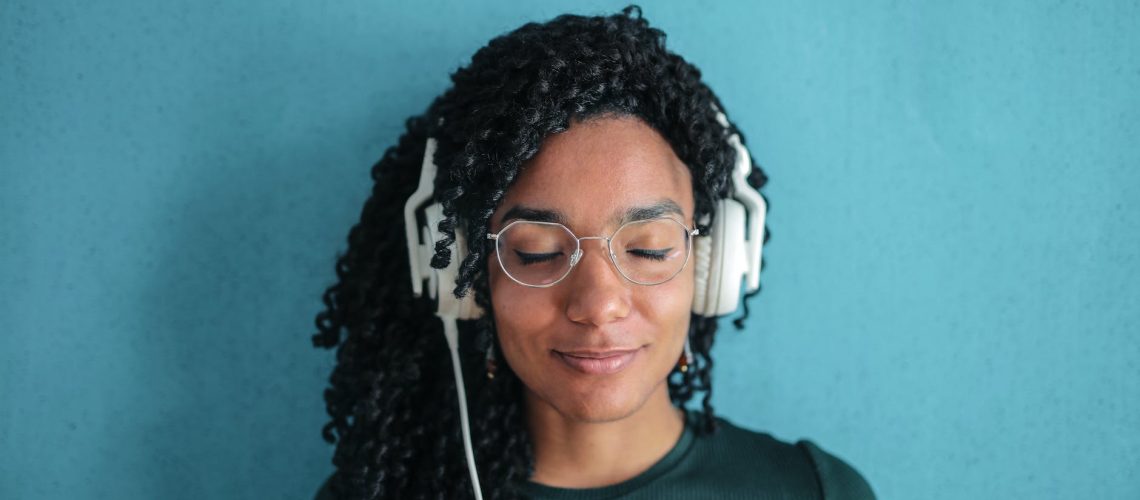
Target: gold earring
(492, 366)
(686, 357)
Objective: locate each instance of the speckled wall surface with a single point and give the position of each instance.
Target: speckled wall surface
(952, 291)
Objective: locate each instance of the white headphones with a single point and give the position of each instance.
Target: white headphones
(728, 254)
(731, 252)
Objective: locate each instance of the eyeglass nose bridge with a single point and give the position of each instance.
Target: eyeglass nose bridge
(577, 255)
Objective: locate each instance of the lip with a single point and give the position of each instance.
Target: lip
(598, 362)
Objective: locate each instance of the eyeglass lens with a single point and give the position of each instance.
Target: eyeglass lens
(540, 254)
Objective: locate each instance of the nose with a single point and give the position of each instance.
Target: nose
(597, 293)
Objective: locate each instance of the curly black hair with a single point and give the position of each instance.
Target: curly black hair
(391, 396)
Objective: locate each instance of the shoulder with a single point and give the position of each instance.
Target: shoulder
(324, 492)
(800, 467)
(837, 478)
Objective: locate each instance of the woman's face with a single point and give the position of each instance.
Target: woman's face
(590, 177)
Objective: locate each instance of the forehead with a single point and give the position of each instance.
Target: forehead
(596, 171)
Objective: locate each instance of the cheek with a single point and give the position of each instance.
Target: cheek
(677, 313)
(667, 310)
(671, 304)
(520, 312)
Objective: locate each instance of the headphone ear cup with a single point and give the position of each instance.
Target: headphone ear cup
(459, 308)
(721, 262)
(447, 303)
(467, 307)
(733, 259)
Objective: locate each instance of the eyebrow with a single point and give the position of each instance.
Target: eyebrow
(534, 214)
(646, 212)
(652, 211)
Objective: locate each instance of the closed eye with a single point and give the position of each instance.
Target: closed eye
(536, 258)
(644, 253)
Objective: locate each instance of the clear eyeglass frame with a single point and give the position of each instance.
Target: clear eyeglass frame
(576, 256)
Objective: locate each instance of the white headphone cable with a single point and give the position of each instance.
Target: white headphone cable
(451, 331)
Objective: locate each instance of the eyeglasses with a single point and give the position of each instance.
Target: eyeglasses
(540, 254)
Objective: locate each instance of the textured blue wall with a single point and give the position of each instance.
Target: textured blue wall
(951, 297)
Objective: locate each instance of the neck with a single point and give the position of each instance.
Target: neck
(571, 453)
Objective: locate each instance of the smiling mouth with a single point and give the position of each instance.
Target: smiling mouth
(598, 363)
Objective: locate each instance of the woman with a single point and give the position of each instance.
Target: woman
(581, 170)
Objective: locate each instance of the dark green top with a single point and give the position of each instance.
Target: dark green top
(732, 463)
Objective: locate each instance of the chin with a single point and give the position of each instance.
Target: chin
(598, 403)
(593, 411)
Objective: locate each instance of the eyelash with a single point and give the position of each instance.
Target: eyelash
(651, 254)
(536, 258)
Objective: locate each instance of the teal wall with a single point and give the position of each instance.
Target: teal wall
(952, 297)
